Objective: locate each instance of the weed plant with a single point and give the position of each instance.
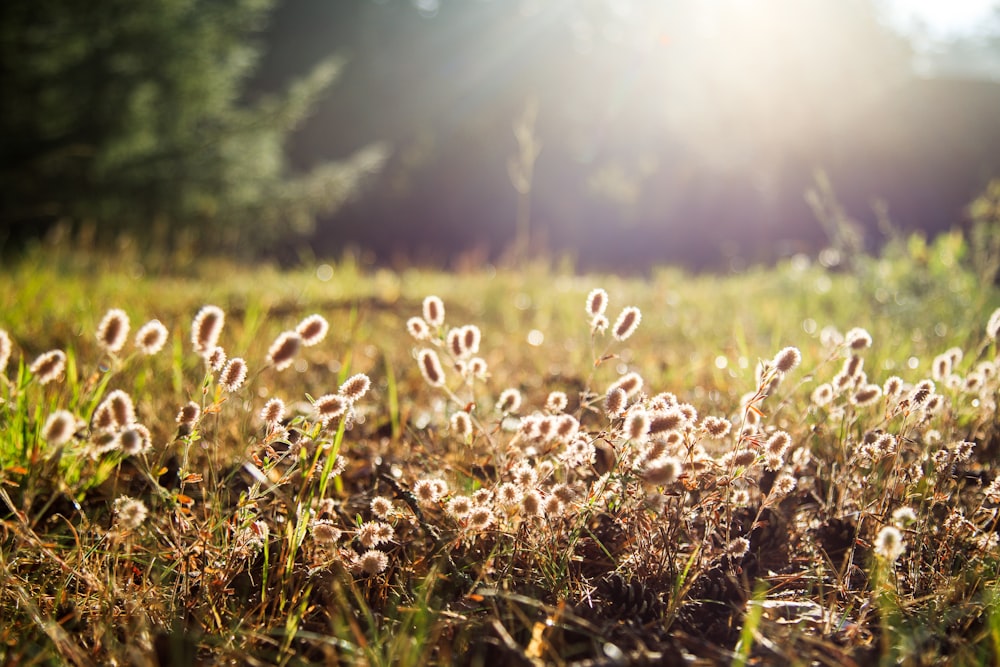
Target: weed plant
(794, 466)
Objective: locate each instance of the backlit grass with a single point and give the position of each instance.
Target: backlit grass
(792, 464)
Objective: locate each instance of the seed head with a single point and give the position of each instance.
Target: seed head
(373, 561)
(461, 424)
(59, 427)
(627, 323)
(778, 443)
(206, 329)
(381, 507)
(325, 533)
(470, 337)
(614, 402)
(773, 462)
(716, 427)
(283, 350)
(566, 427)
(993, 325)
(216, 359)
(524, 476)
(866, 395)
(531, 503)
(556, 402)
(889, 544)
(963, 450)
(510, 494)
(130, 512)
(662, 471)
(312, 329)
(743, 458)
(430, 367)
(233, 375)
(112, 332)
(599, 324)
(454, 340)
(636, 425)
(374, 533)
(478, 368)
(427, 491)
(665, 420)
(418, 328)
(273, 412)
(509, 401)
(858, 339)
(738, 547)
(941, 367)
(49, 366)
(787, 359)
(189, 413)
(783, 485)
(893, 387)
(904, 516)
(853, 366)
(433, 311)
(5, 348)
(921, 393)
(133, 439)
(151, 337)
(630, 383)
(993, 491)
(459, 507)
(597, 302)
(553, 506)
(330, 407)
(116, 411)
(355, 387)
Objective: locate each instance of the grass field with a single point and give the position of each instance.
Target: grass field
(792, 465)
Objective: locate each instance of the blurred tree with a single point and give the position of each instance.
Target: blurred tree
(132, 116)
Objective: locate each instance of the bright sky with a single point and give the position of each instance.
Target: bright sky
(943, 18)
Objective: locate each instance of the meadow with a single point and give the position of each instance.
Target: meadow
(206, 462)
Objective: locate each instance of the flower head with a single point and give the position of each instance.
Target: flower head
(509, 401)
(433, 311)
(312, 330)
(112, 332)
(206, 329)
(858, 339)
(151, 337)
(889, 544)
(373, 561)
(49, 366)
(430, 367)
(597, 302)
(787, 359)
(273, 412)
(461, 424)
(330, 407)
(130, 512)
(627, 323)
(189, 413)
(59, 427)
(233, 374)
(5, 348)
(418, 328)
(116, 411)
(355, 387)
(993, 325)
(133, 439)
(283, 350)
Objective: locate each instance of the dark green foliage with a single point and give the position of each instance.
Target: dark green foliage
(133, 116)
